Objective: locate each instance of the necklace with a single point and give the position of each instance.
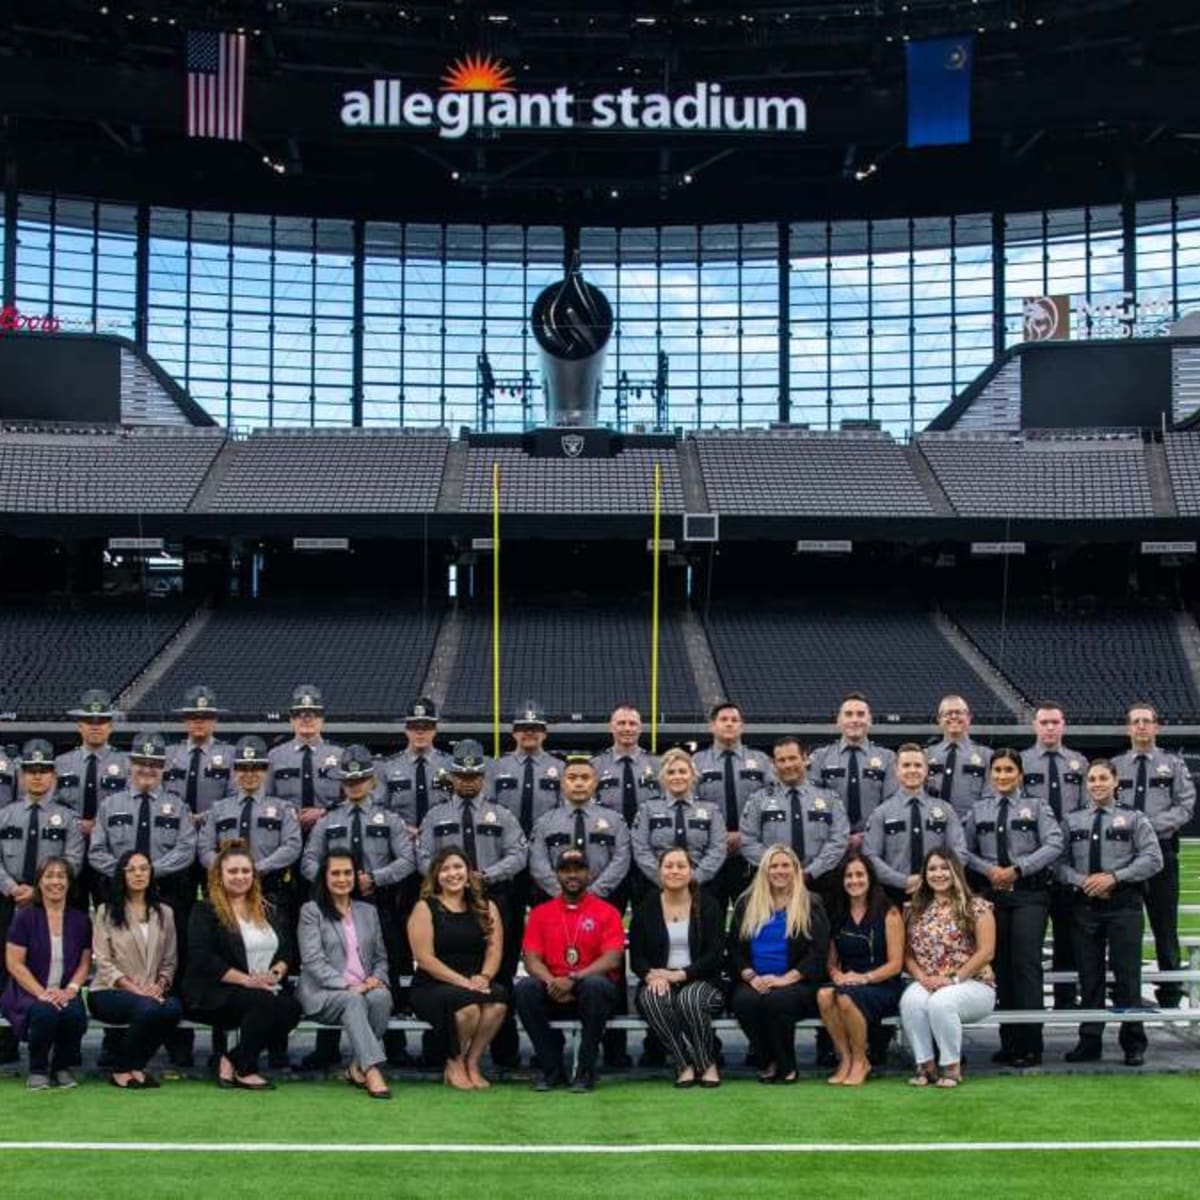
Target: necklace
(572, 936)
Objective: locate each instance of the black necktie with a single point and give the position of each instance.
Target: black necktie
(244, 819)
(579, 838)
(916, 839)
(853, 790)
(468, 834)
(1002, 833)
(629, 797)
(193, 779)
(29, 867)
(1053, 786)
(356, 845)
(948, 773)
(1139, 787)
(797, 824)
(142, 844)
(422, 789)
(308, 794)
(89, 788)
(731, 797)
(527, 796)
(1095, 858)
(680, 824)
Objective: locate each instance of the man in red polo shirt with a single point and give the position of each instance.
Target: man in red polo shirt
(574, 952)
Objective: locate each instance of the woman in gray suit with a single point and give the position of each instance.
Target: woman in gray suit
(343, 971)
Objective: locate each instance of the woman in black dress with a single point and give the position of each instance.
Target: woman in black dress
(457, 941)
(866, 955)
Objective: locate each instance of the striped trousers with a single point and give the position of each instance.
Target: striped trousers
(682, 1019)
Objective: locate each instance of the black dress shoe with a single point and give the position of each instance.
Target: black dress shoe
(1022, 1062)
(547, 1083)
(1082, 1054)
(584, 1081)
(1135, 1058)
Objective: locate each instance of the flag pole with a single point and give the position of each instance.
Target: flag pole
(654, 610)
(496, 610)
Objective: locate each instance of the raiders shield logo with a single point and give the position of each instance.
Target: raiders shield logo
(572, 444)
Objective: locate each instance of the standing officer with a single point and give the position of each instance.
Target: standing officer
(378, 842)
(33, 827)
(729, 774)
(627, 775)
(154, 823)
(1055, 773)
(958, 767)
(1158, 784)
(269, 827)
(89, 773)
(1110, 852)
(792, 812)
(859, 771)
(304, 769)
(8, 775)
(198, 768)
(907, 825)
(491, 840)
(1014, 843)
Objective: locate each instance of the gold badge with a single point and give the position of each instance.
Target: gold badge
(201, 701)
(331, 760)
(114, 769)
(818, 804)
(55, 819)
(875, 763)
(1074, 764)
(490, 817)
(1161, 769)
(975, 760)
(270, 810)
(3, 765)
(702, 814)
(937, 812)
(378, 819)
(218, 761)
(1026, 814)
(306, 701)
(751, 765)
(601, 824)
(166, 810)
(552, 773)
(1118, 822)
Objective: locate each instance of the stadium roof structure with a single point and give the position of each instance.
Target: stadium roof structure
(1073, 101)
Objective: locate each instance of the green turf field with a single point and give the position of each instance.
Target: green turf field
(1189, 886)
(1002, 1108)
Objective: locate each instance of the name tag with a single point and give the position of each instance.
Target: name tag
(833, 772)
(379, 831)
(821, 818)
(1034, 778)
(697, 823)
(661, 822)
(754, 775)
(11, 833)
(548, 785)
(1080, 835)
(711, 776)
(936, 768)
(118, 819)
(226, 824)
(272, 823)
(1024, 825)
(216, 773)
(607, 782)
(339, 831)
(112, 783)
(553, 840)
(975, 772)
(166, 822)
(55, 834)
(172, 774)
(486, 830)
(286, 773)
(935, 826)
(1119, 835)
(773, 814)
(445, 829)
(68, 781)
(1072, 777)
(505, 783)
(874, 773)
(399, 785)
(602, 839)
(985, 826)
(892, 828)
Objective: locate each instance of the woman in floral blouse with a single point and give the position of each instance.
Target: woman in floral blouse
(951, 940)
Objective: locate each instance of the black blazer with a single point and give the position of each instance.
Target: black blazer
(805, 954)
(213, 950)
(648, 944)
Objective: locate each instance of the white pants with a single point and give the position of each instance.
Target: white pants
(939, 1016)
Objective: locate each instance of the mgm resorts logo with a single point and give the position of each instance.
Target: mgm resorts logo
(479, 93)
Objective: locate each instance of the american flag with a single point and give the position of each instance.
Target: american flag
(216, 85)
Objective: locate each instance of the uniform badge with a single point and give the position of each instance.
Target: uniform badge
(602, 824)
(875, 763)
(201, 701)
(1118, 822)
(552, 773)
(55, 819)
(166, 810)
(331, 760)
(1161, 769)
(114, 768)
(818, 804)
(378, 818)
(975, 760)
(937, 812)
(490, 817)
(1026, 814)
(3, 765)
(702, 814)
(306, 701)
(1074, 764)
(751, 765)
(218, 761)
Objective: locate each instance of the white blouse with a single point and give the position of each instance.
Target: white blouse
(261, 944)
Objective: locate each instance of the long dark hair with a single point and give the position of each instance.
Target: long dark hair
(839, 903)
(323, 896)
(961, 896)
(476, 901)
(117, 894)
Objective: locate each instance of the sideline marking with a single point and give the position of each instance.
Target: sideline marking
(594, 1148)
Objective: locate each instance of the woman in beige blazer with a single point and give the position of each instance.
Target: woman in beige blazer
(135, 953)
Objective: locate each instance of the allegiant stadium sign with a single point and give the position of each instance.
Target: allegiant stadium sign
(478, 94)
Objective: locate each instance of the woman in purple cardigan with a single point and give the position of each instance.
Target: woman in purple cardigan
(48, 955)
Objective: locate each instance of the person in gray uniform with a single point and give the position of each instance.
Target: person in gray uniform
(1109, 854)
(584, 824)
(958, 766)
(728, 774)
(494, 845)
(627, 775)
(793, 812)
(267, 825)
(304, 769)
(1055, 773)
(148, 819)
(859, 771)
(907, 825)
(33, 827)
(1160, 785)
(1013, 845)
(377, 840)
(9, 769)
(198, 769)
(679, 818)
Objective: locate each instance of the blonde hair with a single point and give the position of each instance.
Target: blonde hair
(759, 906)
(219, 898)
(675, 754)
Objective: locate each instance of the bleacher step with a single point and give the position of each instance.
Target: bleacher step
(997, 684)
(170, 654)
(211, 485)
(691, 478)
(701, 660)
(454, 474)
(937, 498)
(443, 658)
(1160, 480)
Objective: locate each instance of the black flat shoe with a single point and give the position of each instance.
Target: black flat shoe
(708, 1083)
(1081, 1054)
(1134, 1058)
(386, 1094)
(788, 1080)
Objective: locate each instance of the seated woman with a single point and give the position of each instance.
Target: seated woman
(951, 940)
(133, 942)
(866, 955)
(457, 941)
(778, 943)
(344, 969)
(47, 954)
(675, 949)
(239, 956)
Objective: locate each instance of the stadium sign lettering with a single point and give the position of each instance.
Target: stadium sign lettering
(13, 319)
(455, 113)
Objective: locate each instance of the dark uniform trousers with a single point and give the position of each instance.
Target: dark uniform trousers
(506, 1045)
(1162, 909)
(594, 1002)
(1021, 918)
(1062, 941)
(1114, 924)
